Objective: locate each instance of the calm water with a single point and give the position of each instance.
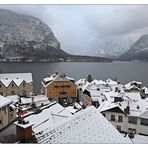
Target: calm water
(124, 71)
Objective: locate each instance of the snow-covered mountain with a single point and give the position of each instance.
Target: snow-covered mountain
(26, 38)
(138, 51)
(23, 36)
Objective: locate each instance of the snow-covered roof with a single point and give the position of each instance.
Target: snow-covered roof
(98, 82)
(137, 105)
(4, 101)
(56, 77)
(82, 83)
(128, 85)
(86, 126)
(111, 82)
(48, 117)
(71, 109)
(138, 139)
(14, 98)
(17, 78)
(37, 99)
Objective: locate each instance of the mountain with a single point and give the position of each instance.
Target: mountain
(27, 38)
(138, 51)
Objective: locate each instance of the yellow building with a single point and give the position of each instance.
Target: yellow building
(61, 88)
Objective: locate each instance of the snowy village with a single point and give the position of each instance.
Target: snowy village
(69, 111)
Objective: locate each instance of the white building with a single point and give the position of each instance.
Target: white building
(126, 111)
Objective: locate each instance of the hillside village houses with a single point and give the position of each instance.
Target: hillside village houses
(16, 84)
(59, 87)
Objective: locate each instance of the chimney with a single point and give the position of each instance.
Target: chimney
(23, 130)
(127, 109)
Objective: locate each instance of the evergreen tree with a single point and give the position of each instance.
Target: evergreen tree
(89, 78)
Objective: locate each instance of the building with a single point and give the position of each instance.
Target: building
(49, 116)
(61, 88)
(126, 111)
(7, 112)
(85, 126)
(16, 84)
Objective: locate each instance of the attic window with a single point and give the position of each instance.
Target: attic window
(23, 84)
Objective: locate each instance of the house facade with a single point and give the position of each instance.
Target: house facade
(16, 84)
(125, 113)
(60, 88)
(7, 112)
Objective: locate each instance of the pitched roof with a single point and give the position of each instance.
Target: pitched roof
(137, 105)
(17, 78)
(56, 77)
(111, 82)
(82, 83)
(98, 82)
(86, 126)
(4, 101)
(49, 117)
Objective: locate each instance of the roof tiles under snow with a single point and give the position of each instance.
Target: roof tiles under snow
(87, 126)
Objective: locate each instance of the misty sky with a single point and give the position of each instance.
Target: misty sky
(80, 27)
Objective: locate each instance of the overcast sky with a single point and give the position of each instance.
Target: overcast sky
(79, 27)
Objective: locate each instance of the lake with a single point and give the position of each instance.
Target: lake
(124, 71)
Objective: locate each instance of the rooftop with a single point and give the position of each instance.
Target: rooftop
(17, 78)
(56, 77)
(4, 101)
(137, 105)
(50, 116)
(86, 126)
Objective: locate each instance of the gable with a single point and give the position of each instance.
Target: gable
(115, 109)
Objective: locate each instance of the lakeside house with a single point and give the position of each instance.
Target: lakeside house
(59, 87)
(16, 84)
(7, 112)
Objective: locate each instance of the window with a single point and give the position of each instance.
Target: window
(118, 127)
(13, 93)
(112, 117)
(144, 121)
(0, 121)
(132, 120)
(120, 119)
(12, 84)
(0, 85)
